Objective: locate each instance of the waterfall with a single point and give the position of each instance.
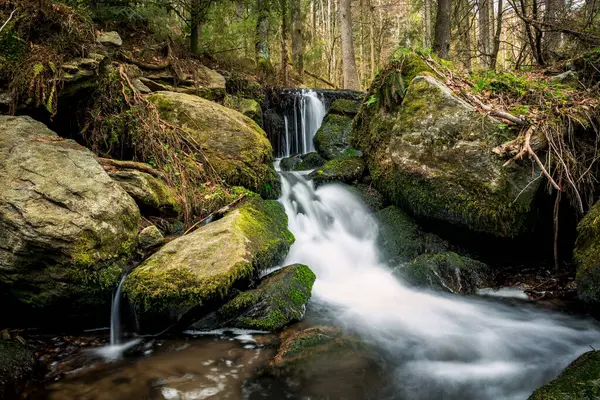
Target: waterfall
(312, 111)
(287, 137)
(115, 315)
(437, 345)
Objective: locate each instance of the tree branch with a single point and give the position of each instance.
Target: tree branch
(8, 20)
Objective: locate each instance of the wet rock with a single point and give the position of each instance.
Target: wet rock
(579, 381)
(323, 360)
(446, 271)
(587, 257)
(250, 108)
(67, 229)
(206, 264)
(401, 239)
(16, 367)
(431, 152)
(290, 163)
(332, 140)
(233, 144)
(153, 197)
(345, 107)
(279, 299)
(150, 237)
(344, 170)
(110, 39)
(302, 162)
(369, 195)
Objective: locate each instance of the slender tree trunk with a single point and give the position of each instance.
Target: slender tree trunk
(194, 26)
(552, 39)
(349, 61)
(263, 56)
(284, 36)
(496, 48)
(426, 23)
(297, 40)
(484, 31)
(441, 43)
(371, 41)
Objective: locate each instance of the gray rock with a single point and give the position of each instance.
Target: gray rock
(150, 237)
(153, 85)
(110, 39)
(139, 86)
(66, 228)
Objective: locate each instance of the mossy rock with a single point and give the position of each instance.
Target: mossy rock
(446, 271)
(401, 239)
(345, 107)
(432, 155)
(232, 144)
(250, 108)
(309, 360)
(344, 170)
(150, 237)
(579, 381)
(369, 195)
(67, 229)
(302, 162)
(587, 257)
(333, 137)
(153, 196)
(16, 367)
(279, 299)
(205, 265)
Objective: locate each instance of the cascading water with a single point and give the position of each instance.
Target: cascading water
(439, 346)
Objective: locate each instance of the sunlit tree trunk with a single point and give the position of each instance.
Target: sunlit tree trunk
(348, 59)
(284, 36)
(497, 35)
(484, 31)
(263, 57)
(297, 40)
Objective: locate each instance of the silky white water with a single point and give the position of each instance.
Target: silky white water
(438, 346)
(312, 112)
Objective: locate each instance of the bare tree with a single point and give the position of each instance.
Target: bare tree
(350, 74)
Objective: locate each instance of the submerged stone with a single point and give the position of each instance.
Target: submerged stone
(66, 228)
(579, 381)
(430, 152)
(446, 271)
(587, 257)
(279, 299)
(232, 144)
(208, 263)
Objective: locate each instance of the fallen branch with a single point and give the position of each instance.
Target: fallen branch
(109, 162)
(496, 113)
(216, 214)
(8, 20)
(143, 65)
(317, 77)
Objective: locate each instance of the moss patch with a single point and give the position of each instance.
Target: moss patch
(345, 170)
(587, 256)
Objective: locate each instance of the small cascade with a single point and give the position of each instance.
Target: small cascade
(115, 315)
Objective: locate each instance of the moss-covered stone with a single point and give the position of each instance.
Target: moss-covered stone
(153, 197)
(369, 195)
(150, 237)
(345, 107)
(207, 263)
(587, 257)
(446, 271)
(250, 108)
(233, 145)
(16, 366)
(67, 229)
(279, 299)
(333, 137)
(579, 381)
(344, 170)
(302, 162)
(431, 154)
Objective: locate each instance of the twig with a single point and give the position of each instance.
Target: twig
(221, 211)
(9, 18)
(130, 165)
(496, 113)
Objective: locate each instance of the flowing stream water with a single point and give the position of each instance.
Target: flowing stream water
(438, 346)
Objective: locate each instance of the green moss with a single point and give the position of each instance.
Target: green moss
(345, 107)
(587, 256)
(579, 381)
(333, 137)
(345, 170)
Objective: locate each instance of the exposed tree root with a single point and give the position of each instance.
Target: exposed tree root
(109, 162)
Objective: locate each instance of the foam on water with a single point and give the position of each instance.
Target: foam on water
(440, 346)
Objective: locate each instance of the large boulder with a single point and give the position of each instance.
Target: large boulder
(151, 194)
(332, 139)
(205, 265)
(279, 300)
(447, 271)
(579, 381)
(16, 367)
(234, 145)
(250, 108)
(401, 239)
(66, 228)
(587, 257)
(431, 153)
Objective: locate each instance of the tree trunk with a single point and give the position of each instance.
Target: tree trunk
(371, 41)
(284, 36)
(349, 61)
(297, 40)
(552, 39)
(484, 31)
(194, 26)
(426, 23)
(496, 48)
(263, 57)
(441, 43)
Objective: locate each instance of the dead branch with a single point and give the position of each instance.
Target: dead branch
(217, 214)
(143, 65)
(8, 20)
(496, 113)
(317, 77)
(119, 164)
